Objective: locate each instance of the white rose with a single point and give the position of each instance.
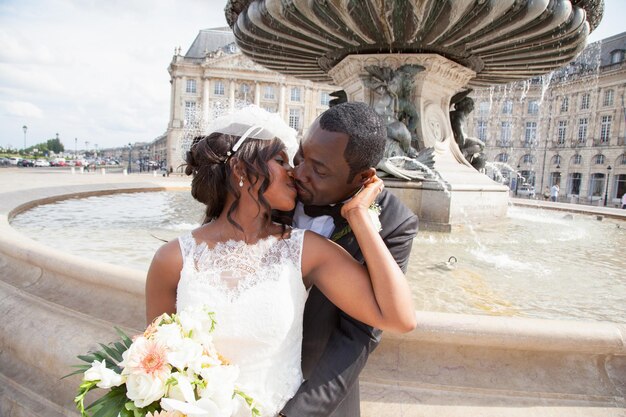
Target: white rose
(144, 389)
(187, 353)
(99, 372)
(170, 335)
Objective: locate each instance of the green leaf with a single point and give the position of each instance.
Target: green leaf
(80, 369)
(111, 404)
(120, 347)
(87, 358)
(127, 340)
(114, 354)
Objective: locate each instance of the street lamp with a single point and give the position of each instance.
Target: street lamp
(24, 128)
(130, 148)
(606, 190)
(517, 178)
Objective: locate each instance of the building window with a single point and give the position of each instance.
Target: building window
(617, 56)
(270, 109)
(562, 132)
(191, 86)
(596, 185)
(190, 111)
(483, 108)
(507, 107)
(565, 105)
(531, 133)
(533, 107)
(481, 130)
(502, 157)
(324, 98)
(295, 94)
(582, 130)
(584, 101)
(577, 159)
(598, 159)
(574, 181)
(268, 93)
(294, 118)
(605, 129)
(608, 98)
(527, 159)
(623, 159)
(218, 88)
(556, 160)
(244, 92)
(505, 133)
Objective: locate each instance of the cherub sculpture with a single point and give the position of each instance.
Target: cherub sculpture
(471, 148)
(393, 88)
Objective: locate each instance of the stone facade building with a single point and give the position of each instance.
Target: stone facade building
(214, 74)
(566, 128)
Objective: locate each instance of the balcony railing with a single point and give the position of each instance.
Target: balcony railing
(576, 143)
(504, 143)
(601, 142)
(621, 141)
(558, 143)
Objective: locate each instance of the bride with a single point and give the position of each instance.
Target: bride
(255, 273)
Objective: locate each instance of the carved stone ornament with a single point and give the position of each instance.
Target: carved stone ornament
(500, 40)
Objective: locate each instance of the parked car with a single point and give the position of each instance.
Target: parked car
(526, 190)
(27, 163)
(42, 163)
(14, 160)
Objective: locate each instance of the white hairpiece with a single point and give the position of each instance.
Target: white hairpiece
(253, 122)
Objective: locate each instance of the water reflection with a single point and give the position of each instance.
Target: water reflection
(536, 264)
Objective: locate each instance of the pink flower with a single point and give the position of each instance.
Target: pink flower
(147, 357)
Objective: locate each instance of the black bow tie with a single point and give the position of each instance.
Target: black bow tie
(332, 211)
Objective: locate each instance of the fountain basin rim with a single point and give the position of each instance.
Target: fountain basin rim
(446, 328)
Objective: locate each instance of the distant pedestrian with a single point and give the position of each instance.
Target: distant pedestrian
(624, 201)
(546, 193)
(554, 192)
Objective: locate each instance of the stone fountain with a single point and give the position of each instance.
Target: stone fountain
(438, 49)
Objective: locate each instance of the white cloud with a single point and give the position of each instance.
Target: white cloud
(97, 70)
(91, 69)
(21, 109)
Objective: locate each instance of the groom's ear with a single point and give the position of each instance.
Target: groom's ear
(366, 174)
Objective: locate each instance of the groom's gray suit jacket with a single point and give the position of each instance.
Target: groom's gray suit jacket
(335, 346)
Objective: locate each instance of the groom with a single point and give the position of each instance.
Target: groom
(335, 159)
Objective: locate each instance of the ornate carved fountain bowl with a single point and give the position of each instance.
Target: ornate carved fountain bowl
(501, 40)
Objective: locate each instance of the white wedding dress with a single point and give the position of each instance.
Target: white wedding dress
(258, 296)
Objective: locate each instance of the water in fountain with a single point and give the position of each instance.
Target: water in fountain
(533, 144)
(528, 265)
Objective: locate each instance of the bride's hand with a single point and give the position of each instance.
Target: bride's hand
(364, 198)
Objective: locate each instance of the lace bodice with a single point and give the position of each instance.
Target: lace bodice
(258, 296)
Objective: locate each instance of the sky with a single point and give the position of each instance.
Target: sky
(95, 72)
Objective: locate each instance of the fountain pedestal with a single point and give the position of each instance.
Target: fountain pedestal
(463, 194)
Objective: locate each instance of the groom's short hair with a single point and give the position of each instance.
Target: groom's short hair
(366, 130)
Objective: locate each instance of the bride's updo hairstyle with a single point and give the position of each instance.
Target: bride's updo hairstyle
(212, 159)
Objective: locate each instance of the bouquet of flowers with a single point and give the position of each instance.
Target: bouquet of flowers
(172, 370)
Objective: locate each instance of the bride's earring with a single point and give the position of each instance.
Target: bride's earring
(240, 182)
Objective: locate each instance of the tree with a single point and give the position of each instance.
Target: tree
(55, 145)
